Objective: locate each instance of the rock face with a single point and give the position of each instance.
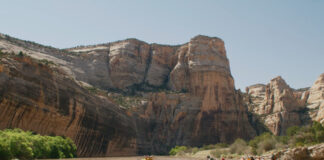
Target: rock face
(187, 91)
(209, 74)
(208, 112)
(256, 96)
(186, 96)
(163, 60)
(281, 106)
(257, 90)
(317, 90)
(316, 98)
(128, 61)
(280, 97)
(136, 65)
(179, 76)
(315, 152)
(34, 96)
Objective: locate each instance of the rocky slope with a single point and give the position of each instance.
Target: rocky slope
(186, 95)
(280, 106)
(315, 152)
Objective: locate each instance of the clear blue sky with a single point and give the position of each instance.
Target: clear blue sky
(263, 38)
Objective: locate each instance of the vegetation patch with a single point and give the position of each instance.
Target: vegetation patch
(16, 143)
(1, 53)
(46, 62)
(22, 55)
(125, 101)
(178, 149)
(295, 137)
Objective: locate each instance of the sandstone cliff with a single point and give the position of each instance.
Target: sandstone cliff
(315, 100)
(280, 106)
(186, 95)
(208, 112)
(37, 97)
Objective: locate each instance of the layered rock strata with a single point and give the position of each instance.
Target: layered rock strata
(315, 99)
(281, 106)
(209, 111)
(190, 98)
(36, 97)
(277, 105)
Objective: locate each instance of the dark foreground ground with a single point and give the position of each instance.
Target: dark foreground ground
(136, 158)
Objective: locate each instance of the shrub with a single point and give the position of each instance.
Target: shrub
(221, 145)
(318, 130)
(316, 126)
(4, 150)
(219, 152)
(296, 136)
(177, 149)
(210, 146)
(283, 139)
(195, 150)
(26, 145)
(265, 142)
(239, 147)
(20, 54)
(93, 89)
(319, 135)
(306, 135)
(266, 145)
(46, 62)
(292, 130)
(20, 147)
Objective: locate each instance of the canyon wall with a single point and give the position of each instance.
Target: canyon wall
(37, 97)
(315, 99)
(188, 95)
(130, 97)
(281, 107)
(208, 109)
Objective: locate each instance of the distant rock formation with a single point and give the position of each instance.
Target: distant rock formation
(281, 106)
(316, 99)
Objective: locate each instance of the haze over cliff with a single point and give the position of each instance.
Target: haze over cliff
(130, 97)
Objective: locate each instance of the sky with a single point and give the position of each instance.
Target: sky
(263, 39)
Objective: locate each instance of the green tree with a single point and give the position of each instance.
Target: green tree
(20, 54)
(292, 130)
(26, 145)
